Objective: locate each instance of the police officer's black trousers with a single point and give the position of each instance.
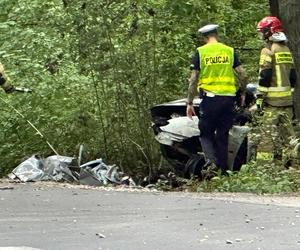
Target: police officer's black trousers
(215, 120)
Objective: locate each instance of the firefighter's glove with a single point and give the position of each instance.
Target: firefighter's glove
(9, 89)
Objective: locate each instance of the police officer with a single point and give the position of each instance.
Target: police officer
(213, 71)
(4, 83)
(277, 77)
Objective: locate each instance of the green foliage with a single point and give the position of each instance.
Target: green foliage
(96, 68)
(259, 177)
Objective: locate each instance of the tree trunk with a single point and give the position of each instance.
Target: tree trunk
(274, 7)
(289, 13)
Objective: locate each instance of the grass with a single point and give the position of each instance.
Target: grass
(262, 176)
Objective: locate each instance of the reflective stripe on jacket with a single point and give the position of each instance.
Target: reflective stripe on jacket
(280, 60)
(216, 72)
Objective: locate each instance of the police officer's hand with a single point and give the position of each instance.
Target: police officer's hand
(190, 111)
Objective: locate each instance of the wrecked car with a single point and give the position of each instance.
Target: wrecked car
(178, 136)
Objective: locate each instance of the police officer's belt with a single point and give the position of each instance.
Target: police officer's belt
(209, 94)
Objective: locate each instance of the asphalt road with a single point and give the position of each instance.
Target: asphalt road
(65, 217)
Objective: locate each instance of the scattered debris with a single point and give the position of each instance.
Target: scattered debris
(101, 236)
(6, 188)
(29, 170)
(151, 186)
(64, 168)
(19, 248)
(229, 242)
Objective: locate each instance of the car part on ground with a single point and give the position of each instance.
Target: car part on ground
(64, 168)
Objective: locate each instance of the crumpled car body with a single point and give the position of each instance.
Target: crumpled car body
(179, 137)
(65, 168)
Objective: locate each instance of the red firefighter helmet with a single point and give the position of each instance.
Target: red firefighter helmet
(269, 25)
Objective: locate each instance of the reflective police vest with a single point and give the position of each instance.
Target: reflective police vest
(216, 72)
(281, 61)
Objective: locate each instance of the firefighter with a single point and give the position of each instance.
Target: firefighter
(4, 82)
(277, 77)
(213, 72)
